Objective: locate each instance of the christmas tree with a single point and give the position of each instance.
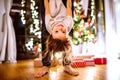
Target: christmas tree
(84, 29)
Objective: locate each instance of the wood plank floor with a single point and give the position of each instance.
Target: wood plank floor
(24, 70)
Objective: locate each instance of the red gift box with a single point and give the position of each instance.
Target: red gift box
(100, 60)
(74, 58)
(38, 62)
(82, 57)
(78, 63)
(89, 62)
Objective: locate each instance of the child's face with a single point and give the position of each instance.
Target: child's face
(59, 32)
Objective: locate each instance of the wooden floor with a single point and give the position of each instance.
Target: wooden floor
(24, 70)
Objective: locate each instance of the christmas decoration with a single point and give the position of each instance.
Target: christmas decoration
(87, 60)
(84, 29)
(32, 24)
(90, 62)
(78, 63)
(100, 60)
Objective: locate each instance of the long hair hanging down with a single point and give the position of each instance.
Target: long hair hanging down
(55, 45)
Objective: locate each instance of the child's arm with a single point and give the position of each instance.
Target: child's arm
(69, 8)
(47, 8)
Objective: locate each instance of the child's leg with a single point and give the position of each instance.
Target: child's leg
(47, 7)
(69, 7)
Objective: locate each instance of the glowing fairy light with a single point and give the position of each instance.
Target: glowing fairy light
(34, 27)
(23, 12)
(29, 44)
(83, 30)
(36, 24)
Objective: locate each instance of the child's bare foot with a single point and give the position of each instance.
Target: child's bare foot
(44, 70)
(68, 69)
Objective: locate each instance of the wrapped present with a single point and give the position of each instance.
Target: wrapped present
(101, 60)
(38, 62)
(82, 57)
(76, 58)
(78, 63)
(89, 62)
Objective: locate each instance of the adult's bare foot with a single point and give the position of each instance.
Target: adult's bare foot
(44, 70)
(68, 69)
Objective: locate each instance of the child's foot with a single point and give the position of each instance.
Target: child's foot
(70, 70)
(44, 70)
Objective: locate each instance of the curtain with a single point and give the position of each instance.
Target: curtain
(2, 11)
(112, 16)
(112, 19)
(8, 46)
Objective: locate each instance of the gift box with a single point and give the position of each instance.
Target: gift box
(38, 62)
(89, 62)
(82, 57)
(102, 60)
(78, 63)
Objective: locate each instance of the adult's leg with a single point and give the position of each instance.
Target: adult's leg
(67, 67)
(44, 70)
(46, 64)
(46, 60)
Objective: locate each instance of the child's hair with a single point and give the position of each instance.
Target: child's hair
(55, 45)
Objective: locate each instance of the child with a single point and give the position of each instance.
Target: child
(60, 18)
(58, 24)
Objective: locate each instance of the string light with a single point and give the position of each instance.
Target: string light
(34, 28)
(83, 31)
(23, 11)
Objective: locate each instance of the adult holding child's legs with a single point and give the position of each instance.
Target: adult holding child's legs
(58, 27)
